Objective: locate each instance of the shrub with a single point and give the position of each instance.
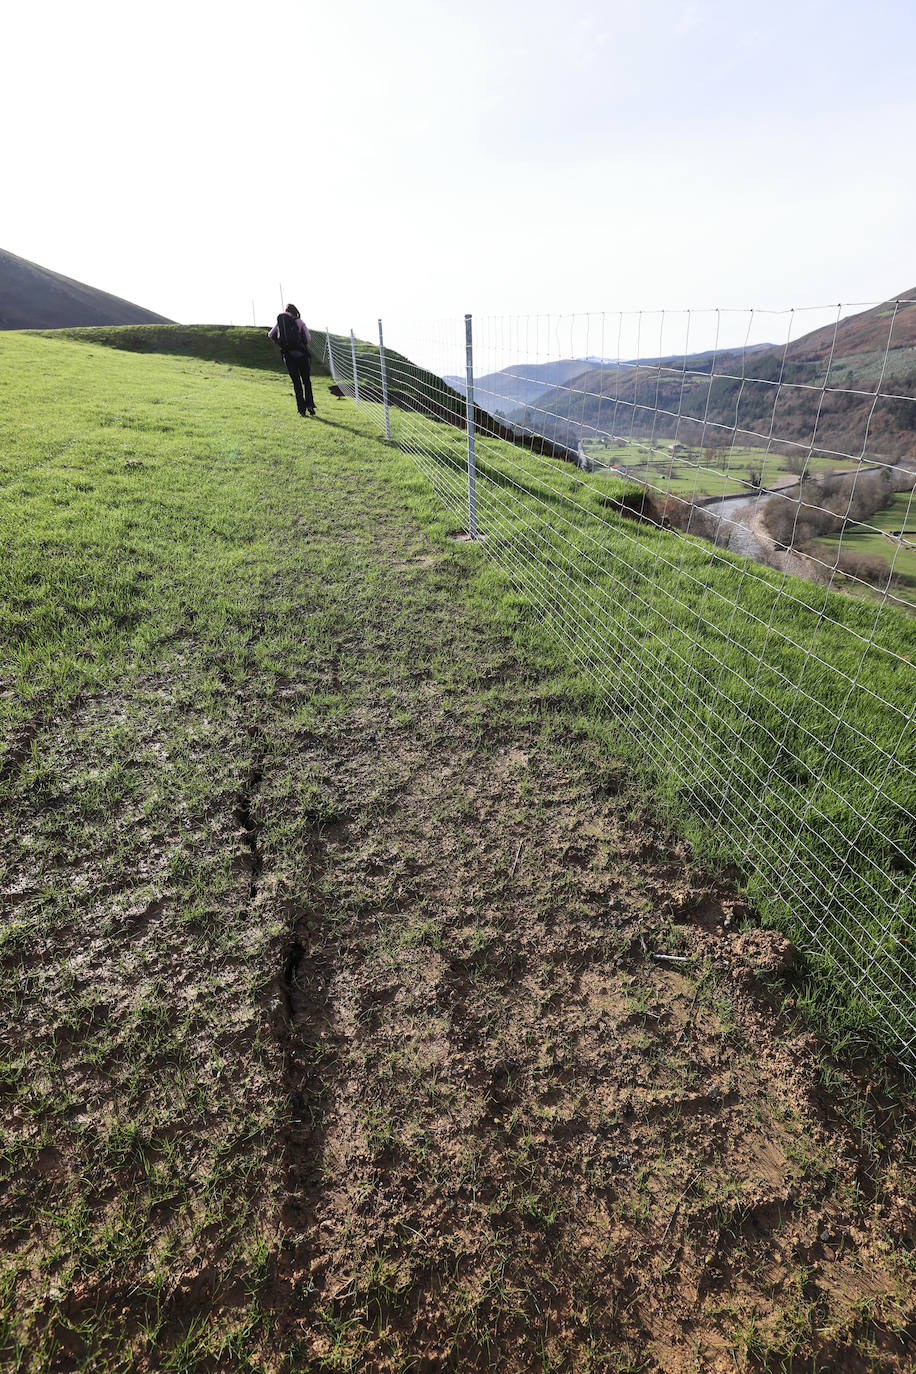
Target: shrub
(867, 567)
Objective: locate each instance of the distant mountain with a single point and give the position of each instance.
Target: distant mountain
(520, 385)
(33, 297)
(846, 389)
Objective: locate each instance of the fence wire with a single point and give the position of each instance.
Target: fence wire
(721, 535)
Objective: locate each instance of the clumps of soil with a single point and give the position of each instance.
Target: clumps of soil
(765, 952)
(558, 1114)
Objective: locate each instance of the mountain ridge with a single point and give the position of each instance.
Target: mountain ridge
(522, 383)
(36, 297)
(848, 387)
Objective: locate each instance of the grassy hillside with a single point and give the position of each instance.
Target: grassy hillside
(357, 1010)
(241, 346)
(775, 687)
(733, 687)
(33, 297)
(414, 389)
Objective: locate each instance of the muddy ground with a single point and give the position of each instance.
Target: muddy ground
(397, 1031)
(547, 1111)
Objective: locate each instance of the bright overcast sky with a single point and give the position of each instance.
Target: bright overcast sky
(410, 158)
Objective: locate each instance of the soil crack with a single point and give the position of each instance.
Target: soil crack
(294, 956)
(250, 827)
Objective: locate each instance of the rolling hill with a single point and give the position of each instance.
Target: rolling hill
(34, 297)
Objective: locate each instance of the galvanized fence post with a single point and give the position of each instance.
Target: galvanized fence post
(472, 470)
(331, 356)
(381, 354)
(355, 378)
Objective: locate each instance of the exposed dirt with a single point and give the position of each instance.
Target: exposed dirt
(545, 1112)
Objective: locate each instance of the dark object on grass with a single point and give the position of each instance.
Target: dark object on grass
(336, 391)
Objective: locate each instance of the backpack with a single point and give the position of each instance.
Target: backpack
(289, 335)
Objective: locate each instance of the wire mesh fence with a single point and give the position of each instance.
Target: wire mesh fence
(719, 529)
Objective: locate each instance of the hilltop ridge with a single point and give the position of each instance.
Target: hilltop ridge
(521, 384)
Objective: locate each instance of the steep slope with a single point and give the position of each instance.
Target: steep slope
(34, 297)
(864, 333)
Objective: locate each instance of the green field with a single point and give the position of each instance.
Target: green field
(728, 471)
(372, 993)
(705, 665)
(867, 538)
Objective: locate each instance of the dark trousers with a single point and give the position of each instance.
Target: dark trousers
(298, 369)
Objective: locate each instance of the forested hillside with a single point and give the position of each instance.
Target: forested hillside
(819, 390)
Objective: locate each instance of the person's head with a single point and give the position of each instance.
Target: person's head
(291, 310)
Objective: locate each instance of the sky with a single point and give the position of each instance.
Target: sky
(417, 159)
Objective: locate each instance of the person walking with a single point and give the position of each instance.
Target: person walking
(291, 334)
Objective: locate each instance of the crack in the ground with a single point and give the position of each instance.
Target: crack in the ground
(306, 1073)
(251, 829)
(304, 1031)
(294, 956)
(301, 980)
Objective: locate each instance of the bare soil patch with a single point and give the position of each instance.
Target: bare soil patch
(556, 1118)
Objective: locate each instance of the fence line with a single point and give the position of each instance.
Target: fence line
(700, 532)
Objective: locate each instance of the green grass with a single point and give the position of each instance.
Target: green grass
(195, 604)
(866, 538)
(770, 714)
(106, 536)
(697, 474)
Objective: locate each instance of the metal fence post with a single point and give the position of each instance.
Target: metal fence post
(381, 354)
(355, 378)
(469, 398)
(331, 356)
